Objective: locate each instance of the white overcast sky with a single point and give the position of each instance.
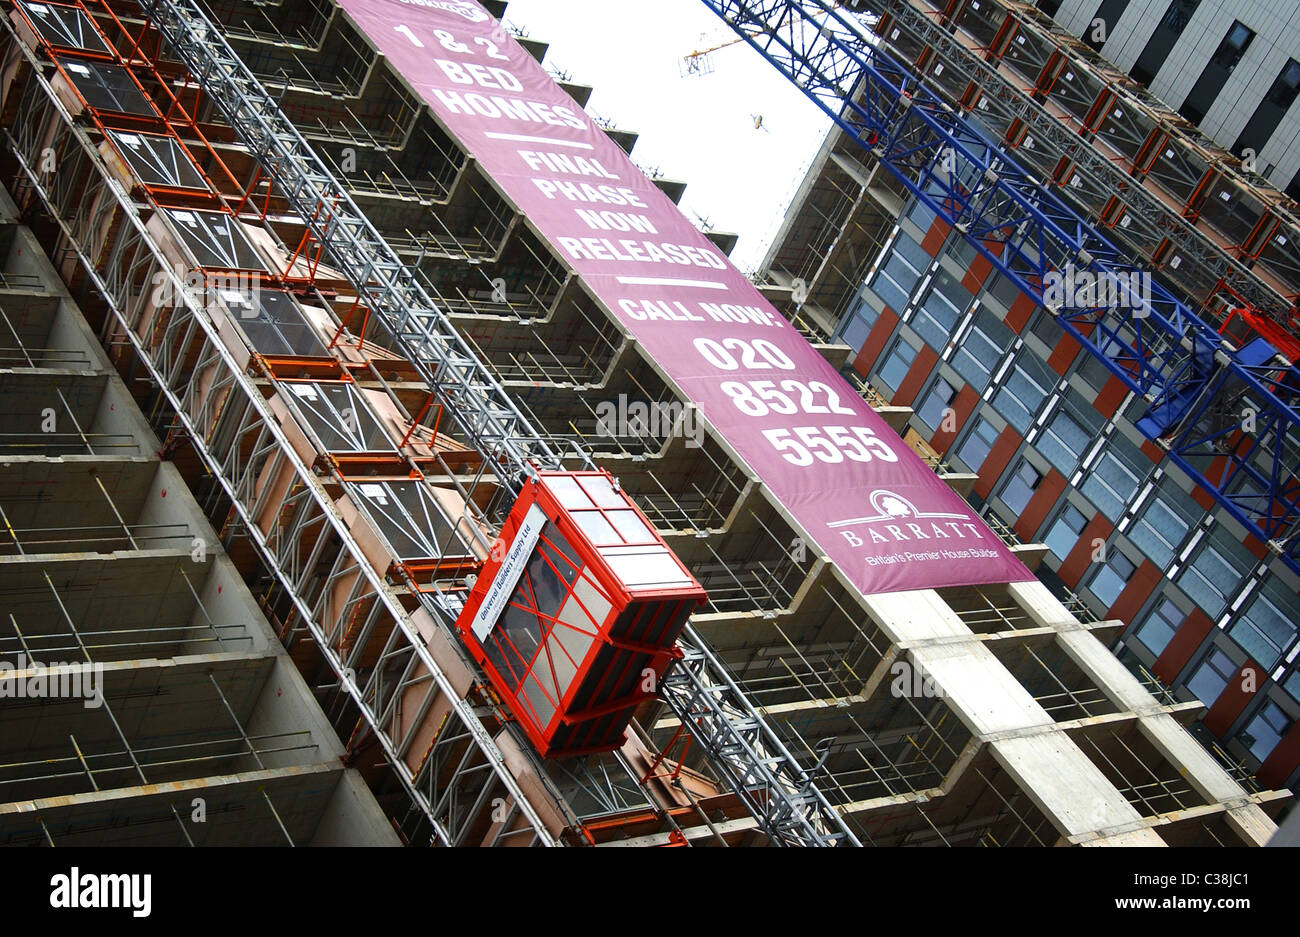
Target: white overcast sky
(697, 129)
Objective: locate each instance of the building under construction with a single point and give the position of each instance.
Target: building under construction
(1155, 515)
(391, 462)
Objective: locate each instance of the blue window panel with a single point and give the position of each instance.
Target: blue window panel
(1020, 487)
(980, 351)
(897, 363)
(1266, 628)
(1116, 476)
(1065, 532)
(1262, 733)
(1215, 572)
(1065, 440)
(897, 278)
(940, 397)
(857, 324)
(978, 443)
(1165, 522)
(1160, 626)
(1211, 677)
(936, 318)
(1111, 578)
(1026, 387)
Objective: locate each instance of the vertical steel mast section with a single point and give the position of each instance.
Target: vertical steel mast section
(420, 330)
(1229, 418)
(742, 747)
(255, 442)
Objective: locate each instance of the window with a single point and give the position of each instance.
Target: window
(940, 397)
(1067, 436)
(1111, 577)
(895, 280)
(1020, 487)
(981, 349)
(920, 213)
(1233, 46)
(1210, 678)
(978, 443)
(1160, 625)
(1262, 733)
(1215, 572)
(1113, 482)
(1004, 290)
(1094, 371)
(1025, 389)
(1216, 72)
(1270, 111)
(1164, 523)
(1065, 532)
(1162, 41)
(1265, 630)
(1292, 685)
(857, 324)
(962, 250)
(1047, 329)
(897, 363)
(943, 305)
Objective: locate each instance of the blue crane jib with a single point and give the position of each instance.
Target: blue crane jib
(1228, 417)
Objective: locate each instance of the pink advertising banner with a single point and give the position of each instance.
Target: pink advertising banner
(871, 503)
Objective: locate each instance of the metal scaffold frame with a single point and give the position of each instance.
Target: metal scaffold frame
(1157, 347)
(388, 287)
(237, 437)
(780, 793)
(240, 443)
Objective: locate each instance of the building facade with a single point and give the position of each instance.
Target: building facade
(1228, 66)
(357, 427)
(999, 389)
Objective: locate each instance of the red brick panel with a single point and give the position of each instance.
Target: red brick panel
(934, 238)
(1067, 349)
(977, 274)
(1040, 505)
(1111, 396)
(1234, 698)
(875, 343)
(963, 405)
(1203, 498)
(917, 375)
(999, 456)
(1136, 591)
(1020, 312)
(1080, 558)
(1281, 764)
(1189, 636)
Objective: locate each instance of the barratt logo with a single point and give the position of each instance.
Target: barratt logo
(467, 10)
(897, 520)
